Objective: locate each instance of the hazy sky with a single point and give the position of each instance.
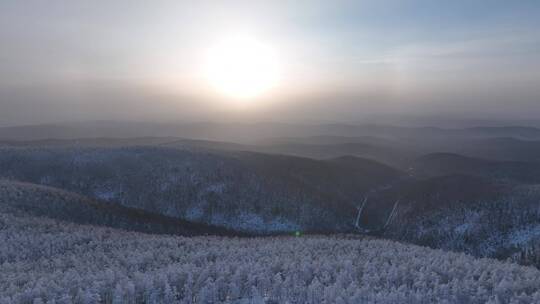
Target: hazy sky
(339, 60)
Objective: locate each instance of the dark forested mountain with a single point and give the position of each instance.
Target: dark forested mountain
(440, 164)
(241, 190)
(502, 148)
(477, 215)
(410, 197)
(506, 225)
(27, 199)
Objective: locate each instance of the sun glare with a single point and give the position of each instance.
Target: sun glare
(242, 67)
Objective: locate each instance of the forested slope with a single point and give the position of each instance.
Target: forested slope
(30, 199)
(240, 190)
(46, 261)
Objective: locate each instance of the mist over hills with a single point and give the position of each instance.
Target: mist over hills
(249, 132)
(393, 145)
(440, 164)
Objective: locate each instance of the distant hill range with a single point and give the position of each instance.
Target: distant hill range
(440, 164)
(250, 131)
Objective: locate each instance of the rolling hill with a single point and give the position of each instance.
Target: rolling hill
(25, 199)
(240, 190)
(440, 164)
(230, 185)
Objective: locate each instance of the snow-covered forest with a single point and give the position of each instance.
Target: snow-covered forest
(259, 193)
(503, 228)
(241, 191)
(47, 261)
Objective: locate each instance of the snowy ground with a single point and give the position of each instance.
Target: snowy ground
(44, 261)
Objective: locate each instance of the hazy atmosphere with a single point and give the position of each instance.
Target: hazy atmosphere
(268, 152)
(303, 61)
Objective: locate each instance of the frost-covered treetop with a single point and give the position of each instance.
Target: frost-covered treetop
(44, 261)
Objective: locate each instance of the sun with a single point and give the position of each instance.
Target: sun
(241, 67)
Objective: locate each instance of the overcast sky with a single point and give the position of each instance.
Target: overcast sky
(341, 60)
